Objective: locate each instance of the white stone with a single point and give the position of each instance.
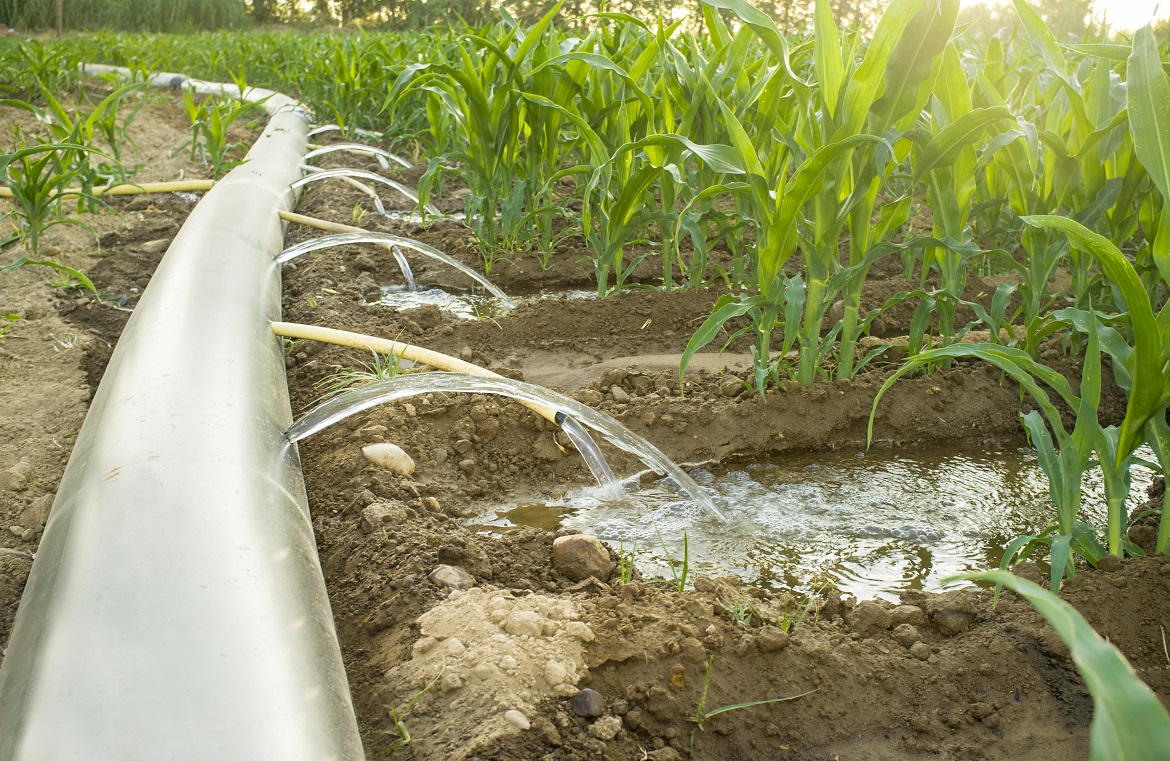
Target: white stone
(517, 719)
(454, 646)
(606, 728)
(389, 456)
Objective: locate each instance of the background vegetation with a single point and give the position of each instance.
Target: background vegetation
(1062, 16)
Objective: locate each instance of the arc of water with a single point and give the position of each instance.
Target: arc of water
(403, 386)
(404, 266)
(362, 174)
(384, 157)
(591, 454)
(323, 128)
(350, 181)
(344, 239)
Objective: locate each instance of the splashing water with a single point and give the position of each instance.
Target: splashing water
(873, 525)
(403, 386)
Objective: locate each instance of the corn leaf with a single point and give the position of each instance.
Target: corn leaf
(1148, 96)
(827, 52)
(1129, 722)
(1146, 363)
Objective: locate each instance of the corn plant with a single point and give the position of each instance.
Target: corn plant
(39, 186)
(211, 119)
(479, 87)
(75, 126)
(1141, 367)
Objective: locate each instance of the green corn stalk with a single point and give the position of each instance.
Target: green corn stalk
(830, 135)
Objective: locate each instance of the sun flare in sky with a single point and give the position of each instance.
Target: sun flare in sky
(1123, 15)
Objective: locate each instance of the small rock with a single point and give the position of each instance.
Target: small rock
(606, 728)
(981, 710)
(451, 682)
(517, 719)
(953, 612)
(580, 556)
(16, 530)
(37, 514)
(906, 635)
(487, 429)
(907, 614)
(547, 449)
(382, 514)
(433, 505)
(156, 246)
(451, 577)
(508, 663)
(521, 622)
(467, 465)
(771, 640)
(619, 395)
(869, 618)
(555, 673)
(440, 455)
(389, 456)
(579, 630)
(664, 754)
(588, 703)
(920, 650)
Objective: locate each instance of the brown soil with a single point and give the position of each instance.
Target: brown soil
(940, 676)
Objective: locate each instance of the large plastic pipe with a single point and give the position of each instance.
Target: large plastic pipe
(176, 609)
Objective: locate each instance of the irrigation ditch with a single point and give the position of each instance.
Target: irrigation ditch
(490, 660)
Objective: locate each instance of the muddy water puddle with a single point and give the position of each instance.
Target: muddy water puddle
(871, 524)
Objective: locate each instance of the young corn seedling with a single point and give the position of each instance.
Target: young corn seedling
(678, 569)
(39, 186)
(701, 713)
(627, 567)
(398, 717)
(210, 121)
(380, 368)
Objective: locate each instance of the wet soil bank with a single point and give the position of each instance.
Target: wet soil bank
(484, 646)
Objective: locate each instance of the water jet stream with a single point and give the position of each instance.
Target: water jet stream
(578, 435)
(345, 239)
(362, 174)
(384, 157)
(353, 183)
(403, 386)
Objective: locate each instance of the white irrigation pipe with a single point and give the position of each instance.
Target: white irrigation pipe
(176, 608)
